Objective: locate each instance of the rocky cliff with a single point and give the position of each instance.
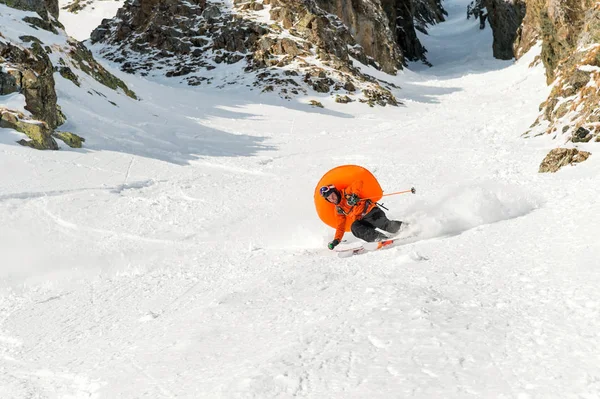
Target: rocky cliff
(416, 14)
(569, 31)
(34, 52)
(505, 18)
(289, 46)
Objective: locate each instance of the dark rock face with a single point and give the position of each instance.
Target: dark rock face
(52, 7)
(505, 17)
(8, 84)
(426, 12)
(411, 15)
(406, 36)
(581, 135)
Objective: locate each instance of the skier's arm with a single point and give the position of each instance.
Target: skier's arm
(355, 188)
(354, 192)
(341, 227)
(339, 231)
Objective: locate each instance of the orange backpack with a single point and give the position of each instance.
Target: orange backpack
(341, 177)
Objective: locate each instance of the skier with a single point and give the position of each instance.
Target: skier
(364, 214)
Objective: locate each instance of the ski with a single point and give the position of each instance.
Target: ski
(367, 247)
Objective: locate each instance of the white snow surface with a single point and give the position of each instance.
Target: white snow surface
(179, 255)
(15, 102)
(80, 24)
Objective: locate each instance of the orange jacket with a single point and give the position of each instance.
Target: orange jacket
(351, 213)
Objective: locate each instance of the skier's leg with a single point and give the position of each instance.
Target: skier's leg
(378, 219)
(392, 226)
(366, 231)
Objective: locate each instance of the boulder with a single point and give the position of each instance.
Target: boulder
(70, 139)
(559, 157)
(343, 99)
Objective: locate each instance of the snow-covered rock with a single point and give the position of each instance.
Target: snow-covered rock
(570, 36)
(275, 45)
(34, 52)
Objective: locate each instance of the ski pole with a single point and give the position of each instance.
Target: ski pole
(412, 190)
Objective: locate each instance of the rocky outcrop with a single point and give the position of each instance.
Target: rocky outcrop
(40, 6)
(75, 6)
(39, 133)
(26, 68)
(70, 139)
(426, 12)
(559, 157)
(82, 60)
(8, 83)
(174, 36)
(365, 23)
(415, 14)
(30, 72)
(505, 17)
(570, 36)
(560, 24)
(308, 46)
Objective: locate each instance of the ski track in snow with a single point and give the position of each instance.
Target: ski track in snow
(189, 263)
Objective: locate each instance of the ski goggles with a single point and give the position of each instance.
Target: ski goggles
(326, 190)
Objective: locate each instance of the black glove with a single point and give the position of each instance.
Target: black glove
(352, 199)
(333, 244)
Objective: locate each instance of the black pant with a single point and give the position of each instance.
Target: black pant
(365, 227)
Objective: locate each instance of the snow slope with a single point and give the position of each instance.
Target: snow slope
(80, 24)
(179, 255)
